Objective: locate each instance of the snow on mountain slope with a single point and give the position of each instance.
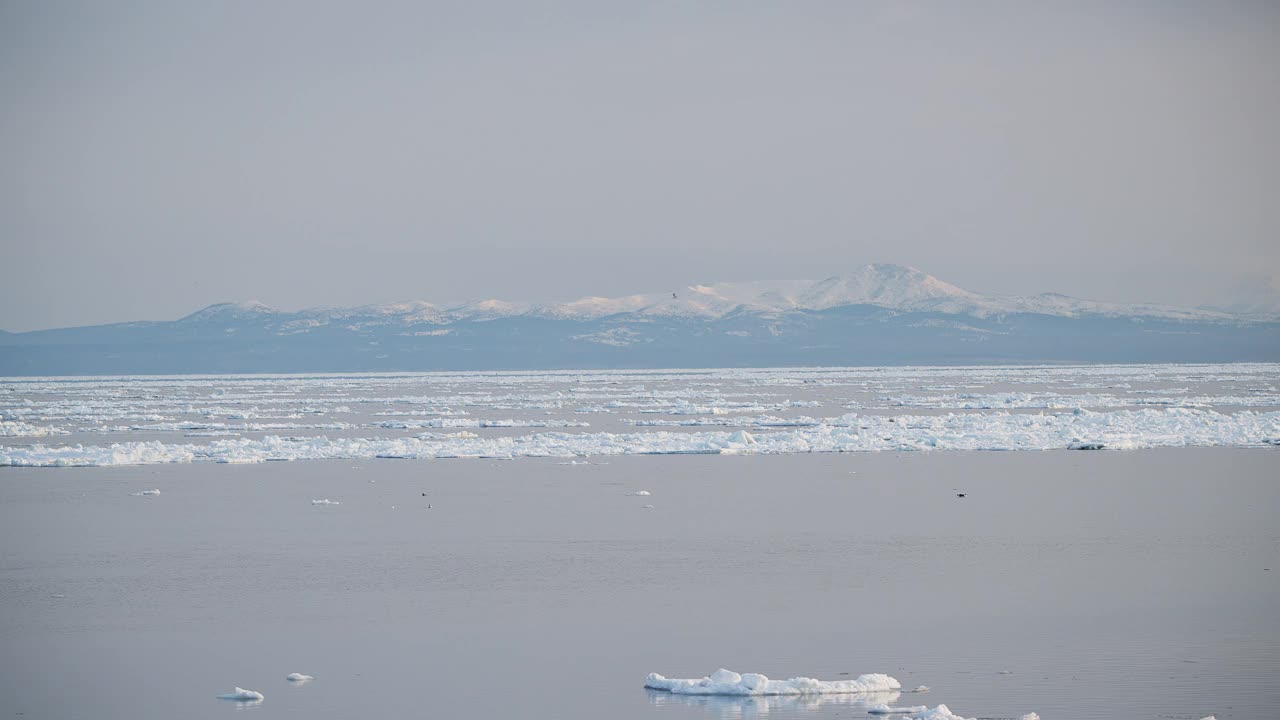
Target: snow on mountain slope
(894, 287)
(891, 286)
(231, 312)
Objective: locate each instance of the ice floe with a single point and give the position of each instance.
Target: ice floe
(325, 501)
(244, 419)
(298, 678)
(727, 682)
(885, 709)
(146, 493)
(16, 428)
(939, 712)
(242, 695)
(1117, 430)
(942, 712)
(640, 493)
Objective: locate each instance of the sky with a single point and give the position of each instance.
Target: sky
(162, 156)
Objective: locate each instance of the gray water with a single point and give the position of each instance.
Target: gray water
(1110, 585)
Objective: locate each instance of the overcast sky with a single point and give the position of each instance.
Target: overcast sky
(161, 156)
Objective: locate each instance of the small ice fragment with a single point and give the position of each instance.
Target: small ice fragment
(242, 695)
(1006, 672)
(325, 501)
(647, 507)
(640, 492)
(742, 437)
(298, 678)
(922, 688)
(146, 493)
(1033, 716)
(883, 709)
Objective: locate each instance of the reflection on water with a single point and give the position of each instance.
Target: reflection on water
(754, 706)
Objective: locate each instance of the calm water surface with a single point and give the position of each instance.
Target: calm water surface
(1107, 584)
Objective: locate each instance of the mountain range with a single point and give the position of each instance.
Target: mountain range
(873, 315)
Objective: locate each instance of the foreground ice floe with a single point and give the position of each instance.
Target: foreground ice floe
(1118, 430)
(746, 707)
(727, 682)
(885, 709)
(242, 695)
(873, 687)
(942, 712)
(939, 712)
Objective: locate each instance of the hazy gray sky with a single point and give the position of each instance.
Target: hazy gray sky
(161, 156)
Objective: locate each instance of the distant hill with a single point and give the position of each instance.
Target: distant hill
(874, 315)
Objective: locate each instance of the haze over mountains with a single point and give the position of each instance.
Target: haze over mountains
(875, 314)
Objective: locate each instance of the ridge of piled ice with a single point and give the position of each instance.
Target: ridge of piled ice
(18, 428)
(242, 695)
(727, 682)
(1117, 430)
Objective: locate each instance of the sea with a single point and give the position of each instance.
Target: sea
(1081, 542)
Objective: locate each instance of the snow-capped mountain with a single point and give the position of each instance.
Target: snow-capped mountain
(876, 314)
(892, 287)
(1260, 299)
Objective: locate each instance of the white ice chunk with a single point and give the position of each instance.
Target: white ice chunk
(325, 501)
(640, 492)
(940, 712)
(298, 677)
(146, 493)
(921, 689)
(887, 710)
(242, 695)
(727, 682)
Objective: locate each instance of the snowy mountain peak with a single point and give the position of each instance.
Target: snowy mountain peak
(898, 288)
(246, 310)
